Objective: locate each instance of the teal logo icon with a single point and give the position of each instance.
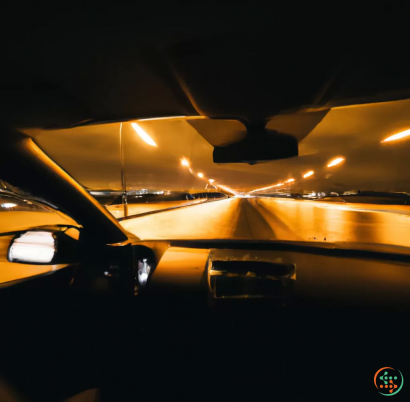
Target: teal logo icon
(388, 381)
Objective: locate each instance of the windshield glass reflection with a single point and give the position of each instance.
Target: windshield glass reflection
(350, 182)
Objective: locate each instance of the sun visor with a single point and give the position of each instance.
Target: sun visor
(219, 132)
(297, 124)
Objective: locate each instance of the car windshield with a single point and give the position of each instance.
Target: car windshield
(349, 183)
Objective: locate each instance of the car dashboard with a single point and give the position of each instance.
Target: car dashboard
(281, 272)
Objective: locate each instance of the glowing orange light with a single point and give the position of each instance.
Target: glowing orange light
(211, 180)
(227, 189)
(290, 180)
(144, 136)
(200, 175)
(267, 188)
(308, 174)
(398, 136)
(162, 118)
(261, 189)
(173, 118)
(335, 162)
(184, 162)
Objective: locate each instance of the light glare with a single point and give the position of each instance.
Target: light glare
(8, 205)
(335, 162)
(308, 174)
(144, 269)
(290, 180)
(144, 136)
(162, 118)
(35, 247)
(200, 175)
(184, 162)
(267, 188)
(227, 189)
(173, 118)
(211, 180)
(398, 136)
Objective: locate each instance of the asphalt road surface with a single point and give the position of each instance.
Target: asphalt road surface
(278, 219)
(135, 209)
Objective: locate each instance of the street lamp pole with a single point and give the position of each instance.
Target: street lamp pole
(123, 182)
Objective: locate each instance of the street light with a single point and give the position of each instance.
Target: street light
(335, 162)
(267, 188)
(308, 174)
(184, 162)
(290, 180)
(211, 180)
(144, 136)
(200, 175)
(398, 136)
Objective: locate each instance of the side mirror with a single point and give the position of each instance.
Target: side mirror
(122, 268)
(45, 246)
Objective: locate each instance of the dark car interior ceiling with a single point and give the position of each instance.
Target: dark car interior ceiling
(150, 65)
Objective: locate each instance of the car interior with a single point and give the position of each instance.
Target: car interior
(203, 202)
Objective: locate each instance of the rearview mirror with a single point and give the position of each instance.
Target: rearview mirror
(258, 146)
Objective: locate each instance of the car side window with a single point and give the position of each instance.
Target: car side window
(20, 211)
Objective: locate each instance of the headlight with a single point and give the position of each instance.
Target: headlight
(33, 247)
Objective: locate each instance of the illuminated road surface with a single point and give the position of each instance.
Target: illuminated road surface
(277, 219)
(135, 209)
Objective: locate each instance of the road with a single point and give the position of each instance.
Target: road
(278, 219)
(135, 209)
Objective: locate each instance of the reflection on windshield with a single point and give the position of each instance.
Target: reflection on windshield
(362, 148)
(351, 181)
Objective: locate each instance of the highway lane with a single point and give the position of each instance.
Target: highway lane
(214, 219)
(134, 209)
(320, 221)
(277, 219)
